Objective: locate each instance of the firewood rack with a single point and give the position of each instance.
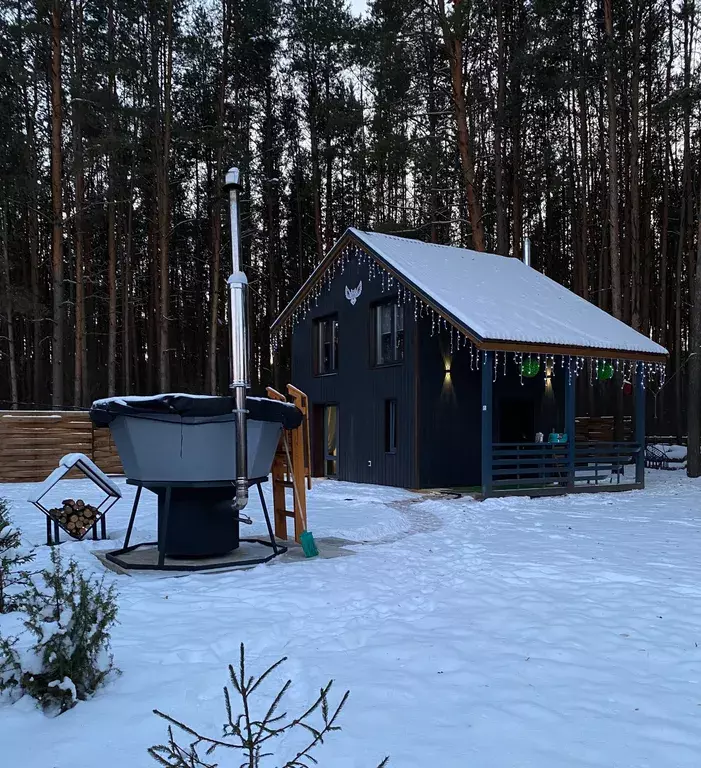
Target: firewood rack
(80, 463)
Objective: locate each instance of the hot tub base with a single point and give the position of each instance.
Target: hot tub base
(180, 544)
(145, 557)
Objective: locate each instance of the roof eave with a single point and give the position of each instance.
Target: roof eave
(526, 347)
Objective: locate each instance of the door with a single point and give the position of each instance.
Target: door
(330, 440)
(516, 420)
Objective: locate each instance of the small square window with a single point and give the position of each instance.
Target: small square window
(389, 333)
(390, 426)
(326, 346)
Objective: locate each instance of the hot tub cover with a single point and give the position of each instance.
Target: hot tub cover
(105, 411)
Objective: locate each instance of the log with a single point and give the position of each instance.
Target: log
(67, 508)
(88, 512)
(70, 526)
(79, 504)
(74, 518)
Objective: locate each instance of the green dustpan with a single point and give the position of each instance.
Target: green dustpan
(308, 544)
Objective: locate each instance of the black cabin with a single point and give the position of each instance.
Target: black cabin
(432, 366)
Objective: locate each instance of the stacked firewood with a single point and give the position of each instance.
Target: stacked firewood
(75, 516)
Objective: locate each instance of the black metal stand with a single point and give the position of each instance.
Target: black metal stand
(163, 520)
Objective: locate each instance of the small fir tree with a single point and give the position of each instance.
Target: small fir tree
(69, 617)
(13, 578)
(248, 736)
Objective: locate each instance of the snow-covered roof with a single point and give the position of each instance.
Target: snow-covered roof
(496, 298)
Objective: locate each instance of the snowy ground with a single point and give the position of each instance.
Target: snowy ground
(551, 633)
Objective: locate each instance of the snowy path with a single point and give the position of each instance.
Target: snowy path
(552, 633)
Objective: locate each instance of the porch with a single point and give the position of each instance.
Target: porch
(578, 460)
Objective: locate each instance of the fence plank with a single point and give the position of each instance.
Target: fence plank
(33, 442)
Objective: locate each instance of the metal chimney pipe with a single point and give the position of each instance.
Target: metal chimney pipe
(238, 320)
(527, 251)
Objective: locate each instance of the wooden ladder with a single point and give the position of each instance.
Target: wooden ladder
(292, 467)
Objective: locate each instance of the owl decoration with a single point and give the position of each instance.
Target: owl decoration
(352, 294)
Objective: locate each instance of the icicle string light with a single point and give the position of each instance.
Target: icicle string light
(572, 365)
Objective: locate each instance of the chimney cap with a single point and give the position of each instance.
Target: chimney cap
(232, 179)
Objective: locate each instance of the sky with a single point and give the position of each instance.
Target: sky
(358, 6)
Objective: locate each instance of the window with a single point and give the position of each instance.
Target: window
(389, 334)
(390, 426)
(326, 341)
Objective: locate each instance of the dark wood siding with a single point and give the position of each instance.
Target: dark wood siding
(358, 388)
(449, 409)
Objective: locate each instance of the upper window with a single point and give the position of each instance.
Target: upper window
(326, 340)
(389, 333)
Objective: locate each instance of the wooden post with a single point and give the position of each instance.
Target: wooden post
(487, 375)
(302, 402)
(570, 424)
(279, 508)
(640, 424)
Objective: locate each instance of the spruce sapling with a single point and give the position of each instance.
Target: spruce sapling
(69, 617)
(248, 735)
(13, 579)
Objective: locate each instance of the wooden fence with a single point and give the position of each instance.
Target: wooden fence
(601, 429)
(32, 442)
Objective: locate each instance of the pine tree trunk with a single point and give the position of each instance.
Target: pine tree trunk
(316, 170)
(216, 225)
(517, 36)
(33, 242)
(453, 48)
(502, 235)
(614, 246)
(635, 170)
(694, 390)
(7, 301)
(111, 217)
(126, 290)
(164, 209)
(582, 266)
(328, 218)
(76, 66)
(56, 207)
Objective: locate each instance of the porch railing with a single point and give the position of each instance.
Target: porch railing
(554, 467)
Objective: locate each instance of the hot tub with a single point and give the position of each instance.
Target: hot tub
(180, 438)
(183, 448)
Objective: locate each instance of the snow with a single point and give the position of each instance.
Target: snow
(79, 461)
(501, 299)
(674, 452)
(65, 685)
(512, 633)
(133, 399)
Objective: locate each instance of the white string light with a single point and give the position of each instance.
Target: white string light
(572, 364)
